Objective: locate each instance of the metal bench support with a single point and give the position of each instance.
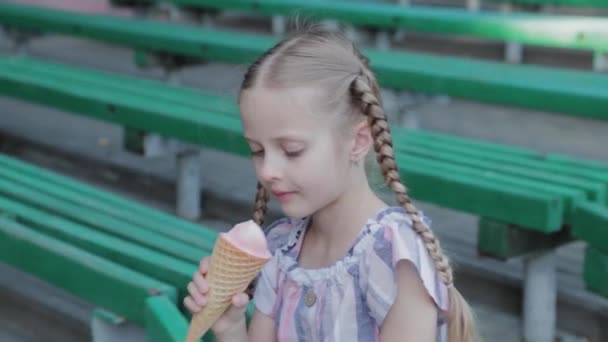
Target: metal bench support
(473, 5)
(188, 184)
(279, 25)
(383, 40)
(600, 61)
(540, 297)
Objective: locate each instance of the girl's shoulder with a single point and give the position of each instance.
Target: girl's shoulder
(391, 238)
(394, 225)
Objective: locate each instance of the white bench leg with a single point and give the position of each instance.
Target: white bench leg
(473, 5)
(279, 25)
(188, 184)
(540, 297)
(171, 11)
(383, 40)
(107, 327)
(410, 119)
(207, 20)
(19, 41)
(600, 61)
(514, 52)
(171, 76)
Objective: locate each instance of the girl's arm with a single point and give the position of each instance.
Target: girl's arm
(262, 328)
(413, 315)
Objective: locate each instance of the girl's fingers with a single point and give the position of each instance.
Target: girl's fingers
(238, 307)
(200, 282)
(191, 305)
(203, 266)
(198, 298)
(240, 300)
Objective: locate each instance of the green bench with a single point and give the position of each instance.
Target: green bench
(137, 270)
(564, 3)
(513, 198)
(517, 29)
(575, 93)
(591, 225)
(519, 190)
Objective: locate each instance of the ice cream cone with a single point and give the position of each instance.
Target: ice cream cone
(231, 270)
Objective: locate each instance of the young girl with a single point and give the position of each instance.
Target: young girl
(346, 266)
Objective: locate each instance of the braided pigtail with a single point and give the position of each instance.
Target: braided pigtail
(261, 204)
(461, 322)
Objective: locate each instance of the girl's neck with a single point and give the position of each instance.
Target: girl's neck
(341, 221)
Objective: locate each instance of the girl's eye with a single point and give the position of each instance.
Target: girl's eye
(257, 153)
(293, 154)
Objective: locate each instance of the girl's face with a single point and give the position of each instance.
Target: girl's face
(298, 153)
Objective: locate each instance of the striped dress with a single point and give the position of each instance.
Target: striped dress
(348, 300)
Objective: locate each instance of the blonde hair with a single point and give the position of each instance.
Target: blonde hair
(328, 60)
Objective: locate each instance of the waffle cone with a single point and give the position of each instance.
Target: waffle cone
(230, 272)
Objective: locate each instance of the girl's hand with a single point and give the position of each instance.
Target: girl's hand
(233, 318)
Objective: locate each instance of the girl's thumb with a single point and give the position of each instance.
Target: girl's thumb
(238, 307)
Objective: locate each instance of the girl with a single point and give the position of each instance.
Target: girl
(346, 266)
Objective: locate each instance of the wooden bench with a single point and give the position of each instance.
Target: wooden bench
(519, 190)
(576, 93)
(591, 225)
(516, 29)
(131, 260)
(564, 3)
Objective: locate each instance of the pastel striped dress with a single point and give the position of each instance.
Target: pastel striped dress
(348, 300)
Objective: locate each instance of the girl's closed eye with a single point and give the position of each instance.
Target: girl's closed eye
(257, 153)
(294, 154)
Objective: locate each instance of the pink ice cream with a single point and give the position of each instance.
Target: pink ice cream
(248, 237)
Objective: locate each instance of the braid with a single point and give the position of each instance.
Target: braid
(383, 145)
(261, 201)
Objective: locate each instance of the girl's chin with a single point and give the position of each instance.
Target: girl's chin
(294, 211)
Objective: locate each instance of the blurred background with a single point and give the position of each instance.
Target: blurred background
(120, 156)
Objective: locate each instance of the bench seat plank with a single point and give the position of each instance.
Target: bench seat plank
(85, 275)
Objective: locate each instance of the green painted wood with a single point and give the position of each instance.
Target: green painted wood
(197, 98)
(204, 238)
(570, 161)
(595, 191)
(85, 275)
(583, 168)
(591, 224)
(29, 171)
(479, 153)
(565, 3)
(100, 221)
(553, 222)
(172, 271)
(164, 322)
(595, 271)
(503, 241)
(549, 219)
(526, 86)
(538, 210)
(572, 92)
(408, 137)
(576, 32)
(181, 122)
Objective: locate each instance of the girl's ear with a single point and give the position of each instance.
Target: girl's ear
(362, 141)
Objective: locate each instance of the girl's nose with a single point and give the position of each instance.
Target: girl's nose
(269, 171)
